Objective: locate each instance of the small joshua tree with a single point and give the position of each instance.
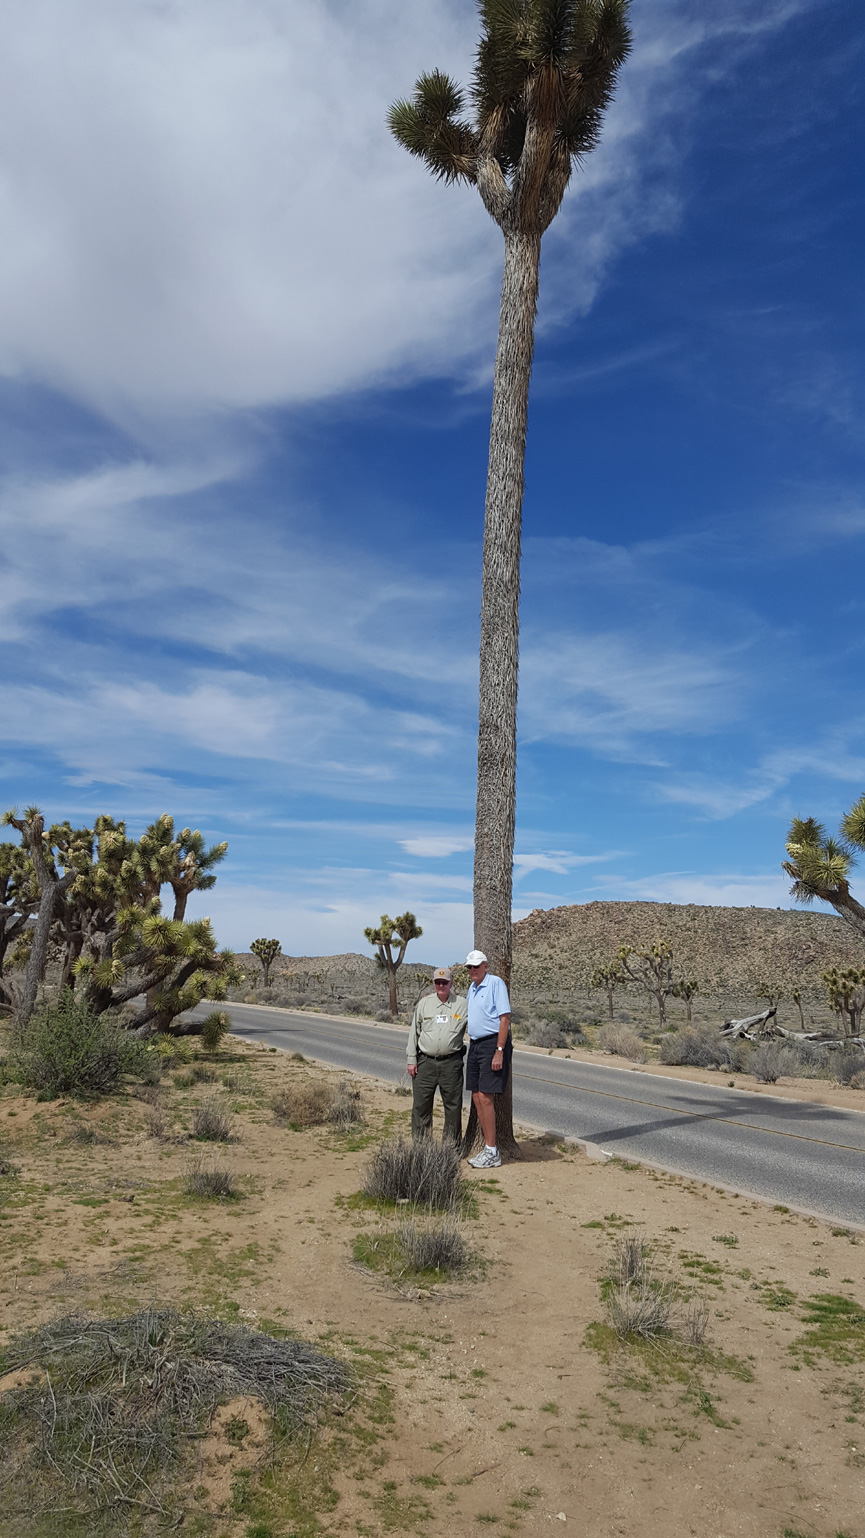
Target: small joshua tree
(652, 970)
(846, 991)
(609, 978)
(796, 996)
(773, 993)
(390, 931)
(686, 989)
(267, 952)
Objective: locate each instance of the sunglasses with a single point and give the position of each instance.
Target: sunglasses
(442, 982)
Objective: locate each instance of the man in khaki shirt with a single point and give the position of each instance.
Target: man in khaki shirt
(434, 1056)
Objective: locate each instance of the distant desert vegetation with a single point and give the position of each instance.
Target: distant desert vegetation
(730, 952)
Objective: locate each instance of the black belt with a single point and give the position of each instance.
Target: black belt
(440, 1057)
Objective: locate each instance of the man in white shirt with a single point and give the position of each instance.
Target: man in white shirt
(490, 1051)
(434, 1057)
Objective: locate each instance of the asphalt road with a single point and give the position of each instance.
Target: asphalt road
(792, 1152)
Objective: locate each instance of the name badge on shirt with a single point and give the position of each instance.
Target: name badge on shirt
(441, 1019)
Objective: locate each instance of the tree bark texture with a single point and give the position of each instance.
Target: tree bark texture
(504, 1109)
(499, 646)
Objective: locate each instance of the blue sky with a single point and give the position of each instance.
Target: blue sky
(245, 373)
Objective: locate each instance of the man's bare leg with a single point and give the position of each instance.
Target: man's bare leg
(485, 1107)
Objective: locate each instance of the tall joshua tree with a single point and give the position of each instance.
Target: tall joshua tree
(544, 74)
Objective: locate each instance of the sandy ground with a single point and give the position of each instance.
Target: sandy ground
(503, 1399)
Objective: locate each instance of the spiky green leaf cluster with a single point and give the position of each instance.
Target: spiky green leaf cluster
(549, 65)
(818, 864)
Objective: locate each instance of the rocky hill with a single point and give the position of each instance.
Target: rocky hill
(730, 951)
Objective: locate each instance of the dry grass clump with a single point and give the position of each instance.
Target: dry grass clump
(118, 1402)
(694, 1321)
(212, 1123)
(347, 1108)
(86, 1135)
(213, 1181)
(437, 1246)
(544, 1033)
(641, 1306)
(423, 1171)
(318, 1103)
(846, 1065)
(771, 1061)
(622, 1041)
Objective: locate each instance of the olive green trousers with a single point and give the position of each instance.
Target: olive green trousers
(446, 1075)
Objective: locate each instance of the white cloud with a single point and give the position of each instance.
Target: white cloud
(436, 846)
(724, 890)
(558, 861)
(203, 209)
(308, 924)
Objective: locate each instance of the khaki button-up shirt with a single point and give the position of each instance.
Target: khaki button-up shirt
(438, 1027)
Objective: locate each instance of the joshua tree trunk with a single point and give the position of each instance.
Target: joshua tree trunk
(51, 887)
(500, 630)
(391, 983)
(499, 648)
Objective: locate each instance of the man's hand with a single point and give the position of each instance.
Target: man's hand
(411, 1070)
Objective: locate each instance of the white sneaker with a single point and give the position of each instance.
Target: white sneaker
(486, 1160)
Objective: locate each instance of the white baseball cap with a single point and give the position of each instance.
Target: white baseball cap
(475, 959)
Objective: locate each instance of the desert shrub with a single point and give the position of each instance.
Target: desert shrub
(317, 1103)
(86, 1135)
(354, 1007)
(214, 1181)
(771, 1061)
(694, 1047)
(622, 1041)
(126, 1405)
(203, 1073)
(212, 1123)
(846, 1064)
(384, 1016)
(346, 1110)
(213, 1028)
(8, 1167)
(545, 1034)
(303, 1105)
(422, 1171)
(67, 1050)
(437, 1246)
(154, 1121)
